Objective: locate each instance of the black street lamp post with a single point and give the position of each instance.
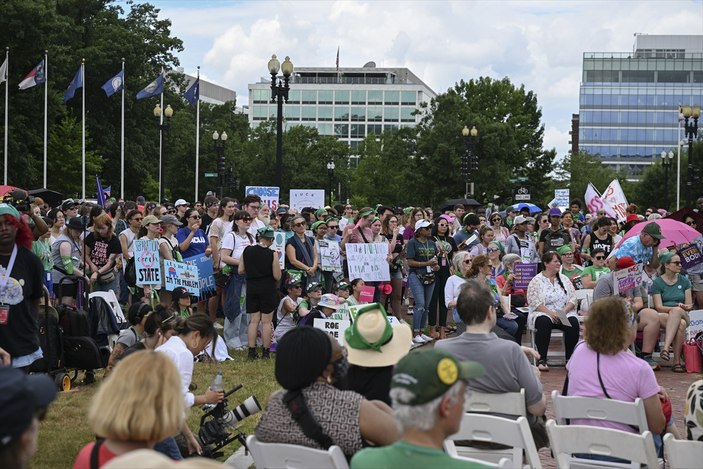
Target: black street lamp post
(469, 161)
(279, 93)
(218, 141)
(164, 128)
(330, 175)
(666, 162)
(690, 117)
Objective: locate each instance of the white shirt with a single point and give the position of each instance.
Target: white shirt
(254, 227)
(237, 246)
(176, 350)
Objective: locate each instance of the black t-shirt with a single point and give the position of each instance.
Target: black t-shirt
(133, 348)
(206, 221)
(372, 383)
(553, 240)
(19, 333)
(258, 264)
(101, 248)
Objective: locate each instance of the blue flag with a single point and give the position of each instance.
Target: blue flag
(192, 94)
(100, 193)
(76, 83)
(114, 84)
(152, 89)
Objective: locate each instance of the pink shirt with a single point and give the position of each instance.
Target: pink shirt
(625, 377)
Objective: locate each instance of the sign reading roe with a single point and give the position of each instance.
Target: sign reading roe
(146, 262)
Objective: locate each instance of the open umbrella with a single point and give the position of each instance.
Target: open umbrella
(533, 208)
(674, 232)
(681, 215)
(4, 190)
(449, 204)
(52, 198)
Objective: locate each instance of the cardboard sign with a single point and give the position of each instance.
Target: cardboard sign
(146, 262)
(561, 198)
(627, 279)
(206, 279)
(180, 274)
(367, 261)
(330, 255)
(269, 195)
(366, 295)
(334, 327)
(523, 274)
(301, 198)
(696, 325)
(279, 247)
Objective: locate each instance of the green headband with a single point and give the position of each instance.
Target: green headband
(365, 213)
(665, 257)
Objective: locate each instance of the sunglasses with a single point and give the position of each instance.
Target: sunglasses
(333, 227)
(599, 258)
(496, 219)
(195, 217)
(690, 223)
(297, 286)
(246, 219)
(492, 250)
(171, 212)
(675, 262)
(467, 261)
(300, 224)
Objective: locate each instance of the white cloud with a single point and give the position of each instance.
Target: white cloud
(536, 43)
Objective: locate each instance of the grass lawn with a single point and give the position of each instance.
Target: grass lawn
(65, 430)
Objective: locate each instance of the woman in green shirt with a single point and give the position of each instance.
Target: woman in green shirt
(672, 297)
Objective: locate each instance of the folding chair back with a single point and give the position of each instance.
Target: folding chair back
(575, 407)
(508, 403)
(683, 454)
(280, 456)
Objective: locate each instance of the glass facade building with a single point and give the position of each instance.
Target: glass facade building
(349, 103)
(629, 101)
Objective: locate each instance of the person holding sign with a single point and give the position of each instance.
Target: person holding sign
(423, 263)
(552, 301)
(168, 250)
(300, 252)
(673, 299)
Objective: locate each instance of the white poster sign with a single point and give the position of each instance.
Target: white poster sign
(279, 247)
(330, 255)
(180, 274)
(561, 197)
(301, 198)
(614, 198)
(269, 195)
(696, 325)
(368, 261)
(146, 262)
(334, 327)
(627, 279)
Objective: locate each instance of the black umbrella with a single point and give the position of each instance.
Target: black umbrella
(449, 204)
(52, 198)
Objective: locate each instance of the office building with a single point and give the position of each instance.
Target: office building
(348, 103)
(209, 92)
(629, 101)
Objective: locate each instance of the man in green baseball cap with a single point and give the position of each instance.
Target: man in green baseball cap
(642, 248)
(427, 390)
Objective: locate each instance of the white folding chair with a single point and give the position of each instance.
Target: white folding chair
(576, 407)
(556, 335)
(111, 299)
(492, 429)
(279, 456)
(565, 440)
(584, 298)
(504, 463)
(508, 403)
(683, 454)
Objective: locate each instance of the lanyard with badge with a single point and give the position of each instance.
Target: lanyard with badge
(4, 279)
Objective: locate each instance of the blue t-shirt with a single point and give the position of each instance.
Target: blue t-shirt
(633, 247)
(674, 294)
(197, 245)
(420, 252)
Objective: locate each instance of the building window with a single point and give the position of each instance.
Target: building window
(261, 113)
(324, 113)
(374, 114)
(341, 113)
(602, 76)
(673, 76)
(376, 129)
(391, 128)
(291, 112)
(293, 96)
(375, 97)
(406, 114)
(358, 114)
(341, 97)
(392, 97)
(309, 113)
(391, 114)
(324, 96)
(341, 130)
(357, 131)
(261, 96)
(408, 98)
(637, 76)
(325, 129)
(358, 97)
(309, 97)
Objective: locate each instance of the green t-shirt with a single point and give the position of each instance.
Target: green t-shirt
(595, 272)
(408, 456)
(674, 294)
(42, 250)
(570, 274)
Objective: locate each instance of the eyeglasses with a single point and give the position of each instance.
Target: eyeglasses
(496, 219)
(171, 211)
(300, 224)
(492, 250)
(246, 220)
(332, 227)
(675, 262)
(568, 254)
(691, 223)
(195, 217)
(255, 207)
(599, 258)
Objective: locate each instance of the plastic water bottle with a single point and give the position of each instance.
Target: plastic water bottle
(217, 382)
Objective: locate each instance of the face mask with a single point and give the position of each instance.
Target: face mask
(341, 367)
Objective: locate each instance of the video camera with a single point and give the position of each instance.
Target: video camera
(217, 423)
(19, 199)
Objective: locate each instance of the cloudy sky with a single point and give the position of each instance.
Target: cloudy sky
(536, 43)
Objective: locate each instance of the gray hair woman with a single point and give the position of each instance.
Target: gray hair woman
(461, 265)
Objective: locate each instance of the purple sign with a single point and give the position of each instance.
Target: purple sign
(523, 274)
(690, 255)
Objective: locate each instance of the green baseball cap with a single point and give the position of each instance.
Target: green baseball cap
(317, 224)
(266, 232)
(653, 230)
(428, 374)
(7, 209)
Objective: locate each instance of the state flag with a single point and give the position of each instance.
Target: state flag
(114, 84)
(75, 84)
(152, 89)
(36, 77)
(192, 94)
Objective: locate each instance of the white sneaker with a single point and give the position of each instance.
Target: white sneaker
(426, 337)
(418, 340)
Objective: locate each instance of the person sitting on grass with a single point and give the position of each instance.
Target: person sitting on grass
(136, 315)
(140, 404)
(327, 306)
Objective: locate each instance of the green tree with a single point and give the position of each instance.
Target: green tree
(582, 168)
(65, 148)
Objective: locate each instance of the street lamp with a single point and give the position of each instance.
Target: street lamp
(164, 128)
(469, 162)
(330, 175)
(279, 93)
(666, 162)
(690, 118)
(219, 143)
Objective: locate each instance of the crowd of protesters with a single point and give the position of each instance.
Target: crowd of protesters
(449, 271)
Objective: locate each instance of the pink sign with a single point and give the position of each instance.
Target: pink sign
(366, 295)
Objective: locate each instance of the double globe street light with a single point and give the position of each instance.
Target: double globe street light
(279, 93)
(164, 128)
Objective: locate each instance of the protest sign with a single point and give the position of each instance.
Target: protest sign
(627, 279)
(206, 279)
(180, 274)
(301, 198)
(691, 257)
(561, 198)
(368, 261)
(330, 255)
(353, 311)
(146, 262)
(279, 247)
(696, 324)
(269, 195)
(366, 295)
(523, 274)
(614, 198)
(334, 327)
(595, 203)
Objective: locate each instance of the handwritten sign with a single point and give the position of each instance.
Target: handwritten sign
(561, 198)
(334, 327)
(696, 324)
(206, 279)
(368, 261)
(523, 274)
(301, 198)
(627, 279)
(614, 198)
(279, 247)
(269, 195)
(180, 274)
(330, 255)
(146, 262)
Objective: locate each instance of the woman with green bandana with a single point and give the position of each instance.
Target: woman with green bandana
(673, 299)
(568, 268)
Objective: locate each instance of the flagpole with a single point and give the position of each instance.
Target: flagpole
(7, 88)
(678, 159)
(197, 139)
(122, 138)
(83, 125)
(161, 153)
(46, 105)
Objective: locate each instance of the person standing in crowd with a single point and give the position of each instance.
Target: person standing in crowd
(567, 221)
(500, 232)
(181, 206)
(168, 250)
(467, 237)
(446, 247)
(24, 400)
(458, 211)
(126, 238)
(416, 214)
(598, 238)
(67, 254)
(428, 391)
(217, 230)
(550, 293)
(391, 231)
(485, 237)
(555, 237)
(42, 249)
(192, 241)
(211, 207)
(576, 214)
(301, 254)
(102, 248)
(57, 227)
(423, 263)
(519, 243)
(252, 204)
(262, 269)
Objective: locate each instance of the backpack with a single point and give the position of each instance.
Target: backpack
(130, 273)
